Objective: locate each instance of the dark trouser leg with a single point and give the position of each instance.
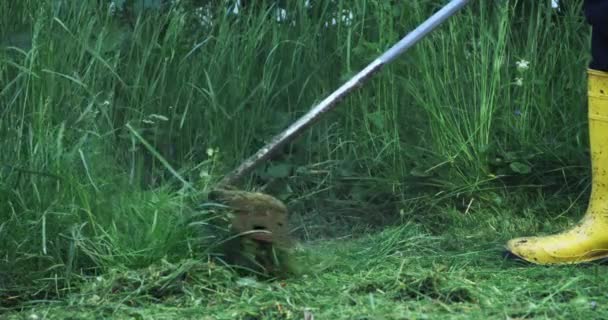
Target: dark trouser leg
(596, 12)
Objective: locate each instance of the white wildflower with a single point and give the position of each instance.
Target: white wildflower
(112, 8)
(522, 65)
(519, 81)
(236, 7)
(347, 17)
(281, 14)
(333, 22)
(205, 16)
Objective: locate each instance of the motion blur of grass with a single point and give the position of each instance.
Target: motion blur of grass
(399, 273)
(114, 124)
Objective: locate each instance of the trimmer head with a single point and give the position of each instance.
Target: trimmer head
(257, 216)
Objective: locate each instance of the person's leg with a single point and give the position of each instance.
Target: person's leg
(588, 240)
(596, 12)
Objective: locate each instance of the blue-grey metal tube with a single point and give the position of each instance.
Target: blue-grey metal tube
(330, 102)
(422, 30)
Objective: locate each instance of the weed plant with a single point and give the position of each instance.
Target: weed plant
(115, 123)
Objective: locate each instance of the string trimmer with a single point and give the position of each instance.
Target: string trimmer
(261, 219)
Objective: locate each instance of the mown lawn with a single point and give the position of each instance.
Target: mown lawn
(399, 273)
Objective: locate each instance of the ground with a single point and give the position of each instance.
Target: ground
(400, 273)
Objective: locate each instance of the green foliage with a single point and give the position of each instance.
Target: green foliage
(401, 272)
(114, 124)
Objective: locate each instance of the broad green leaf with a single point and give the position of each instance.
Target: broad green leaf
(520, 168)
(281, 170)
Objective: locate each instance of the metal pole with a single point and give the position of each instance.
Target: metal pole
(332, 100)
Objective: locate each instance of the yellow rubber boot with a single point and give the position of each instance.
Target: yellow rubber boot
(588, 240)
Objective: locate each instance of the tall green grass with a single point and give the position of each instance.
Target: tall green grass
(112, 124)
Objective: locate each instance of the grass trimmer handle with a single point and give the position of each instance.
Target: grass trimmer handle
(329, 103)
